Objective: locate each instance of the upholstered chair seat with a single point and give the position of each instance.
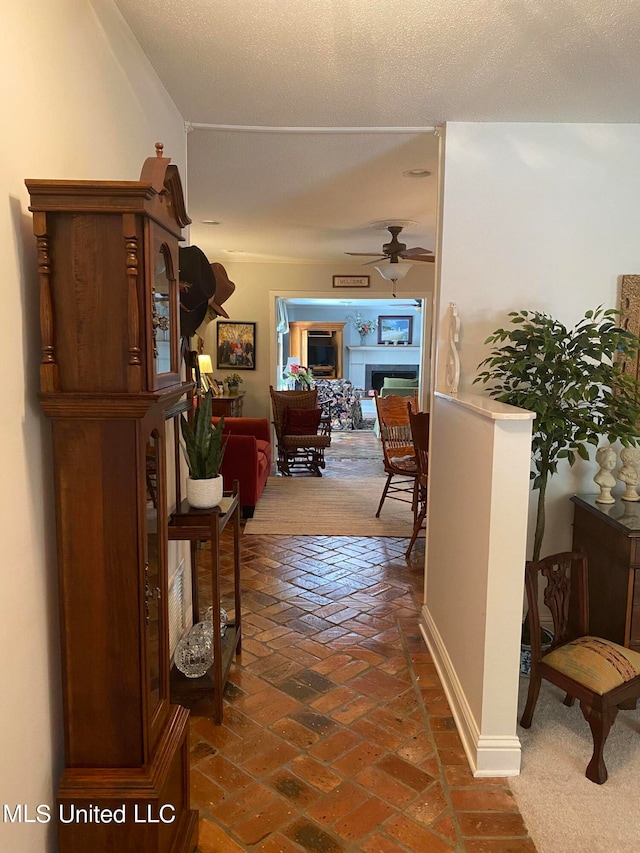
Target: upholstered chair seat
(597, 664)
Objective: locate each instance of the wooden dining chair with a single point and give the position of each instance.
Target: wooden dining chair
(419, 425)
(602, 675)
(397, 449)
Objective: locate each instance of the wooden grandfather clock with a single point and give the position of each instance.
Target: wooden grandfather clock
(110, 376)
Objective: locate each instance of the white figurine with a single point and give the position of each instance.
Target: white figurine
(630, 472)
(606, 459)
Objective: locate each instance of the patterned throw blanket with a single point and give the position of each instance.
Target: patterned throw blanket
(337, 398)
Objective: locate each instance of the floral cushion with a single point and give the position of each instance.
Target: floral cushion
(595, 663)
(339, 401)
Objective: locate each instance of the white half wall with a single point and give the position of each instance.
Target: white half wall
(80, 101)
(478, 493)
(533, 216)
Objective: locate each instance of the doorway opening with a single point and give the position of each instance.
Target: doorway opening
(303, 319)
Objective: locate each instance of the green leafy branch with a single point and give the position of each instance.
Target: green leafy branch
(573, 379)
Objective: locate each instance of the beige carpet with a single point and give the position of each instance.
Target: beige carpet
(564, 811)
(319, 506)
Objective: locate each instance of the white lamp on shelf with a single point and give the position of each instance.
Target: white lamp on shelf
(204, 361)
(205, 366)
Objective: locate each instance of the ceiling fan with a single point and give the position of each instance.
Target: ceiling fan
(416, 304)
(394, 250)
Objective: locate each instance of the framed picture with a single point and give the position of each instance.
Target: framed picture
(395, 330)
(236, 345)
(351, 281)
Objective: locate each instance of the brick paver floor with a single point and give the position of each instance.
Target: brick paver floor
(337, 735)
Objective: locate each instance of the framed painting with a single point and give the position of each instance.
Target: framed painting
(351, 281)
(235, 345)
(395, 330)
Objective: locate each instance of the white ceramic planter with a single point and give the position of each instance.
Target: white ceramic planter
(204, 494)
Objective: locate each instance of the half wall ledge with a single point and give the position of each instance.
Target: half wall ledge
(488, 407)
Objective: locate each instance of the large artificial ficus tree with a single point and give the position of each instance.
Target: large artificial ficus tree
(574, 381)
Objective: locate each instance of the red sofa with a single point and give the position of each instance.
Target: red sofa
(247, 458)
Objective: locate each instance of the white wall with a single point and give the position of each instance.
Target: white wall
(253, 301)
(79, 100)
(536, 216)
(541, 216)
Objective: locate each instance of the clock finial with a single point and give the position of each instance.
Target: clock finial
(159, 149)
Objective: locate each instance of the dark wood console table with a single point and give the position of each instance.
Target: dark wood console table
(610, 537)
(229, 406)
(198, 525)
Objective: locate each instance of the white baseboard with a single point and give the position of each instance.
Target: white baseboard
(487, 755)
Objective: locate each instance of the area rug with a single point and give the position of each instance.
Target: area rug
(312, 506)
(564, 811)
(355, 444)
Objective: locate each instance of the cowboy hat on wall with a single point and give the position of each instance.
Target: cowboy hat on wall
(224, 289)
(203, 289)
(197, 286)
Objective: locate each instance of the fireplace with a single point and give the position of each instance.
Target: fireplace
(375, 374)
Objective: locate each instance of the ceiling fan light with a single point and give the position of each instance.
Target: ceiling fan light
(393, 272)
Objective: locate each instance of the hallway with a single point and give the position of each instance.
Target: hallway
(337, 735)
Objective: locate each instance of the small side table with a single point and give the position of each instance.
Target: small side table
(229, 406)
(198, 525)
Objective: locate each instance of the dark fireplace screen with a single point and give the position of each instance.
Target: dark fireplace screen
(376, 373)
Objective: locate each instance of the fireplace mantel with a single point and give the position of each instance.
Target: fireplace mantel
(362, 355)
(382, 347)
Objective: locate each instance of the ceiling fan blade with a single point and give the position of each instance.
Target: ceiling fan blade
(417, 250)
(428, 258)
(364, 254)
(375, 260)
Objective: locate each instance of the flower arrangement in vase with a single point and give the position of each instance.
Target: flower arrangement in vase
(302, 376)
(363, 327)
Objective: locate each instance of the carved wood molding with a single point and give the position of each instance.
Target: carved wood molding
(452, 370)
(48, 366)
(134, 371)
(72, 405)
(165, 180)
(174, 186)
(147, 779)
(630, 319)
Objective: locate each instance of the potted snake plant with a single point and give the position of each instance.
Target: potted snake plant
(204, 451)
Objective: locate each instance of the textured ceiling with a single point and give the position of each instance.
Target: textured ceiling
(308, 197)
(366, 63)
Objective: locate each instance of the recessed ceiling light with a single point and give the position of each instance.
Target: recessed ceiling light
(417, 173)
(210, 222)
